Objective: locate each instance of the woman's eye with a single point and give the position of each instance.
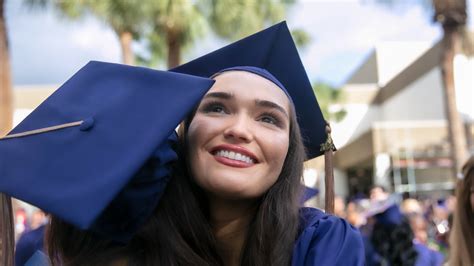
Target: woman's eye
(214, 108)
(269, 119)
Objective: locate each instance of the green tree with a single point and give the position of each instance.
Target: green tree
(177, 24)
(328, 95)
(6, 102)
(451, 15)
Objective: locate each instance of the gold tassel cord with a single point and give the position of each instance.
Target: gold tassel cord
(328, 148)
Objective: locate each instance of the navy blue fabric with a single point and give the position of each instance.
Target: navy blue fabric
(272, 49)
(427, 256)
(308, 193)
(76, 173)
(258, 71)
(136, 202)
(38, 259)
(28, 244)
(391, 216)
(327, 240)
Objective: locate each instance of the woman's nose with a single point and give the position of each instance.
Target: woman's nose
(239, 128)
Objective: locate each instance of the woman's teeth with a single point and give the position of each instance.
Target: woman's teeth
(234, 156)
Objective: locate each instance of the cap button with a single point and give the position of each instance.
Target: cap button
(87, 124)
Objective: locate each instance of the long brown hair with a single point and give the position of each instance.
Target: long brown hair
(462, 234)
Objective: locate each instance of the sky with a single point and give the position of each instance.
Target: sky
(46, 49)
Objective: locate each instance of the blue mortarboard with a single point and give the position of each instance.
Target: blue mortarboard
(391, 216)
(273, 50)
(91, 153)
(387, 213)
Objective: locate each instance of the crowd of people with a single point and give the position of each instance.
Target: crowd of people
(401, 230)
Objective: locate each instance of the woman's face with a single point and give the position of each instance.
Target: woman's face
(239, 136)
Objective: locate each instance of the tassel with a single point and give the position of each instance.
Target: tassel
(6, 231)
(328, 148)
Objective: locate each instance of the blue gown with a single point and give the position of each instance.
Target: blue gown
(327, 240)
(426, 256)
(28, 244)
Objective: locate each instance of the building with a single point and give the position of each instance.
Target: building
(395, 131)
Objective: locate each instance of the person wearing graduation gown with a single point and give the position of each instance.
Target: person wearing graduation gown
(227, 191)
(392, 241)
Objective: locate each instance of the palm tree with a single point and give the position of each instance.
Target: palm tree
(6, 109)
(452, 16)
(178, 23)
(327, 95)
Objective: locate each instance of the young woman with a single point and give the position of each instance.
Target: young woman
(233, 196)
(462, 234)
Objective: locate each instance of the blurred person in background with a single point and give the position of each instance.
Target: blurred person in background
(32, 240)
(462, 234)
(438, 227)
(413, 209)
(389, 239)
(38, 218)
(426, 255)
(339, 207)
(21, 222)
(378, 194)
(410, 206)
(356, 214)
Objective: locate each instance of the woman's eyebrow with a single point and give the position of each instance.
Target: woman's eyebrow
(270, 104)
(220, 95)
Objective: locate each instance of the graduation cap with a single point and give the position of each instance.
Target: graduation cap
(271, 50)
(386, 212)
(97, 152)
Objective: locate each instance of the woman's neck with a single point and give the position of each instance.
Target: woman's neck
(230, 222)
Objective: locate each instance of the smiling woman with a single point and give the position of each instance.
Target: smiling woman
(227, 192)
(238, 131)
(243, 154)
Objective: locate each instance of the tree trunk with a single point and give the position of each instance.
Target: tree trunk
(457, 136)
(126, 44)
(174, 49)
(6, 105)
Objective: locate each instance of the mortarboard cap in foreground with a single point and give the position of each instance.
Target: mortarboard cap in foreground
(273, 50)
(90, 153)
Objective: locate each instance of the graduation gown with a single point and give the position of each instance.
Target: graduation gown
(326, 240)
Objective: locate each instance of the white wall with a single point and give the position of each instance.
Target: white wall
(464, 82)
(421, 100)
(395, 56)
